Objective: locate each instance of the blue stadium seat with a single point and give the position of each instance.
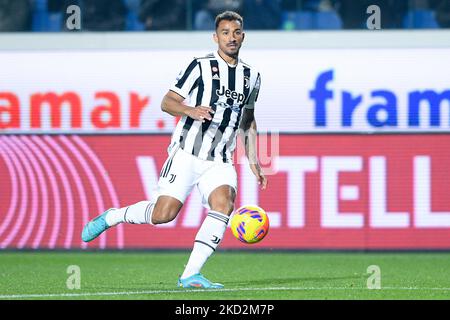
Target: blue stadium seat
(327, 20)
(203, 21)
(39, 21)
(55, 21)
(132, 5)
(44, 21)
(40, 5)
(288, 20)
(133, 23)
(420, 19)
(311, 5)
(298, 20)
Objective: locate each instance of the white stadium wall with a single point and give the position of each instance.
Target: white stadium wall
(356, 137)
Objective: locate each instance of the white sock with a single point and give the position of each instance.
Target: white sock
(138, 213)
(208, 238)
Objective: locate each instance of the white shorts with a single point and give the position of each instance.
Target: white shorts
(182, 171)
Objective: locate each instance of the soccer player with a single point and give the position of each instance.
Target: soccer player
(222, 90)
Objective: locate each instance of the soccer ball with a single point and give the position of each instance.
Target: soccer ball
(250, 224)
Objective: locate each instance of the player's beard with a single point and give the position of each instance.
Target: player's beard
(233, 53)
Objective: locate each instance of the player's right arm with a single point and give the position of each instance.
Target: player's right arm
(172, 103)
(185, 83)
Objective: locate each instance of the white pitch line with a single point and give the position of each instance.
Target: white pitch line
(155, 292)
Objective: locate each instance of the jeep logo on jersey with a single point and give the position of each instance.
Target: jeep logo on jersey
(238, 97)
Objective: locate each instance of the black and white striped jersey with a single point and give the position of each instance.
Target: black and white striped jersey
(211, 81)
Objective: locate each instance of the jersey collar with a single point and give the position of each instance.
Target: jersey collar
(217, 55)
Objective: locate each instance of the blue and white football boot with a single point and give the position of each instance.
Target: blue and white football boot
(95, 227)
(198, 281)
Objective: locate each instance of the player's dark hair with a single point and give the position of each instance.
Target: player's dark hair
(229, 16)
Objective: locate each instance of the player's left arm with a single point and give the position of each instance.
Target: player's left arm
(248, 133)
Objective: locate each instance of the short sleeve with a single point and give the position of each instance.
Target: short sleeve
(186, 79)
(254, 94)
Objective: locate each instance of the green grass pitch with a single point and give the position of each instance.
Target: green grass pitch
(246, 275)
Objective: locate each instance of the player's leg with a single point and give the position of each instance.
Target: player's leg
(171, 194)
(164, 210)
(218, 187)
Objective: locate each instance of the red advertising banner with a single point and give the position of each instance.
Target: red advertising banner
(324, 192)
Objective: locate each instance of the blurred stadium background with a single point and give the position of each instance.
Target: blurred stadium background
(354, 123)
(157, 15)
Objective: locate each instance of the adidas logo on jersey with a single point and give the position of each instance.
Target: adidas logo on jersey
(216, 77)
(238, 97)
